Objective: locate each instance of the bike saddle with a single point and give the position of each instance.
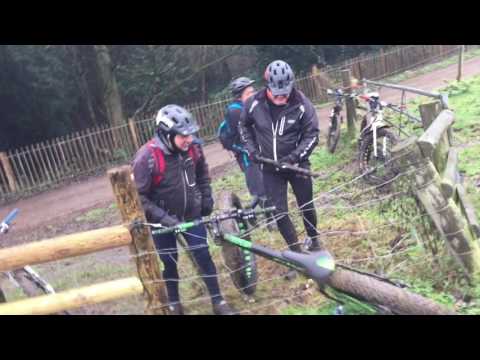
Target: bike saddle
(316, 265)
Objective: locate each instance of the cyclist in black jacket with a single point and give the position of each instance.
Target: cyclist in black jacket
(280, 123)
(173, 182)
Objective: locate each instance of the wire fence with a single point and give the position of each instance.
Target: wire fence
(199, 301)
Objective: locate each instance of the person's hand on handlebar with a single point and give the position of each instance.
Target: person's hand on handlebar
(288, 160)
(170, 221)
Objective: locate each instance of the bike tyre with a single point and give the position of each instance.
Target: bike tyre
(366, 150)
(398, 300)
(334, 133)
(241, 264)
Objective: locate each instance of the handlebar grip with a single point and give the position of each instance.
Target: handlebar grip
(10, 217)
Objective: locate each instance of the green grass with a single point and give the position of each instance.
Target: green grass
(96, 215)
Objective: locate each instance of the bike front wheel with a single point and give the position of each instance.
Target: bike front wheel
(334, 133)
(375, 156)
(241, 263)
(369, 289)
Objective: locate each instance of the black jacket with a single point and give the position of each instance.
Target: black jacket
(232, 116)
(183, 189)
(294, 131)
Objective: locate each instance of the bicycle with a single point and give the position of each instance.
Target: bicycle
(375, 142)
(379, 293)
(336, 118)
(26, 278)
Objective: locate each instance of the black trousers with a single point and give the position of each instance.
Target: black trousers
(253, 175)
(276, 186)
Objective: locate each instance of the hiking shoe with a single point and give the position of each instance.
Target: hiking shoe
(222, 308)
(175, 309)
(311, 245)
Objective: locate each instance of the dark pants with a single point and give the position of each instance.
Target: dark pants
(253, 175)
(196, 239)
(276, 184)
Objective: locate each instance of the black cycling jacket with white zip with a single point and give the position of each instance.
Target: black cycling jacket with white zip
(293, 131)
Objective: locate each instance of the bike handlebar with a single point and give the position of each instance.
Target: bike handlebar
(290, 167)
(243, 214)
(5, 224)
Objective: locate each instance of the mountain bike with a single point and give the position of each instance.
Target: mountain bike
(336, 118)
(381, 294)
(375, 142)
(26, 278)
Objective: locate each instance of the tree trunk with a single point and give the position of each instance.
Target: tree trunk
(77, 52)
(111, 94)
(204, 75)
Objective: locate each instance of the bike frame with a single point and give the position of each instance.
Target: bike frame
(35, 277)
(375, 120)
(317, 266)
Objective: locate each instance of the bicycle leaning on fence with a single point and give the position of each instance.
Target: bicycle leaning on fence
(375, 142)
(26, 278)
(336, 118)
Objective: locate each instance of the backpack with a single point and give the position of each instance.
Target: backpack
(159, 157)
(225, 134)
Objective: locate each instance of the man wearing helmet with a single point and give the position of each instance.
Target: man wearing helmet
(280, 123)
(241, 90)
(173, 181)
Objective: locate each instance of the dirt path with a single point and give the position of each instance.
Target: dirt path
(46, 207)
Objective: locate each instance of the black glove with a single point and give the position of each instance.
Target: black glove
(290, 160)
(169, 221)
(207, 206)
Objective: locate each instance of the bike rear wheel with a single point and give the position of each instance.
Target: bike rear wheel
(381, 166)
(241, 263)
(383, 294)
(334, 133)
(29, 287)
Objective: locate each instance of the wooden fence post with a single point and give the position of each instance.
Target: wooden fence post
(133, 131)
(444, 213)
(8, 172)
(143, 248)
(351, 110)
(430, 112)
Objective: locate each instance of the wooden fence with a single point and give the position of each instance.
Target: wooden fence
(436, 180)
(39, 166)
(149, 280)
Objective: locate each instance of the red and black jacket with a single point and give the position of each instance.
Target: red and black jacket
(171, 183)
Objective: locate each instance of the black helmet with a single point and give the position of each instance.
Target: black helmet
(175, 120)
(280, 78)
(240, 84)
